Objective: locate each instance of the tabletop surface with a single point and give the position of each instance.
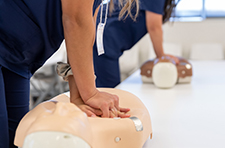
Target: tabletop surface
(187, 115)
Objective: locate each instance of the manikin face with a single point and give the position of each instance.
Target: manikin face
(55, 122)
(55, 109)
(62, 117)
(59, 114)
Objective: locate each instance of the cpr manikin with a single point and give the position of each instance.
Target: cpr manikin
(57, 123)
(165, 73)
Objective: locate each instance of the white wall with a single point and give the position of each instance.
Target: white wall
(187, 33)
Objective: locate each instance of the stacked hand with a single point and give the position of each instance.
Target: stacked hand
(102, 104)
(173, 57)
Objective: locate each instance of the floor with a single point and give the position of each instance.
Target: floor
(187, 115)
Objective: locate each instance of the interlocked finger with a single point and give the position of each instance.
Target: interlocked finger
(114, 111)
(116, 102)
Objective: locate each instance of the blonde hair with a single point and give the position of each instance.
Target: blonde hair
(127, 6)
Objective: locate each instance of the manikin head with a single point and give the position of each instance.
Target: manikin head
(58, 120)
(58, 123)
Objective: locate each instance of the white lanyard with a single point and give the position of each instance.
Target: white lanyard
(100, 30)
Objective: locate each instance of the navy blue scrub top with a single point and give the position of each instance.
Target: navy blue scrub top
(156, 6)
(30, 32)
(121, 35)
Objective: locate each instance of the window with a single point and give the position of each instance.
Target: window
(199, 9)
(215, 8)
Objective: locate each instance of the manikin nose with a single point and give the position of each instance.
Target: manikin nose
(62, 109)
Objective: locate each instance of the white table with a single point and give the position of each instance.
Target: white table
(187, 115)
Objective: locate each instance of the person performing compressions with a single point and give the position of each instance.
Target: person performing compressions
(121, 35)
(30, 32)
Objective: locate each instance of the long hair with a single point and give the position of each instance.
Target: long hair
(127, 6)
(169, 9)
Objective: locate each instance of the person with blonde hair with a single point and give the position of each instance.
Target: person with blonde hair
(30, 32)
(122, 34)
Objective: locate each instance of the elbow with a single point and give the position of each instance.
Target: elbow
(77, 26)
(72, 22)
(69, 22)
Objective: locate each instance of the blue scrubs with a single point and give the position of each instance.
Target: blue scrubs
(118, 37)
(30, 32)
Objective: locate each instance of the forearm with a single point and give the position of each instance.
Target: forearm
(79, 33)
(157, 41)
(74, 93)
(154, 27)
(79, 40)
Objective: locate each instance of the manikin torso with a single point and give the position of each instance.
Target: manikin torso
(60, 118)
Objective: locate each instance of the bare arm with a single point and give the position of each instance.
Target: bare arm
(79, 32)
(154, 27)
(74, 93)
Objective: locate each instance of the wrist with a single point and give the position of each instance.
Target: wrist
(76, 100)
(86, 95)
(159, 55)
(159, 52)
